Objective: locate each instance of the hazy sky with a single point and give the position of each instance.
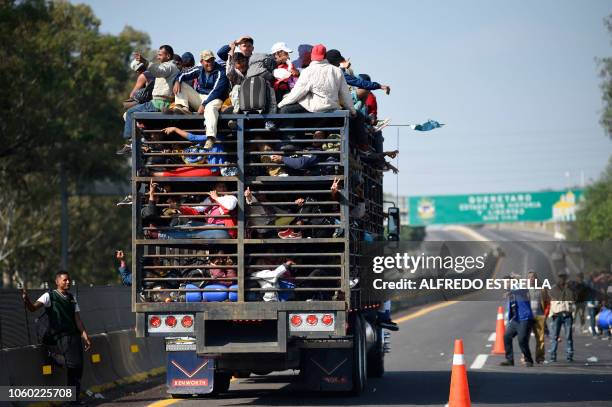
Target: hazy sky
(515, 82)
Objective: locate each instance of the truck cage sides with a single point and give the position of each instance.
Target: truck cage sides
(326, 256)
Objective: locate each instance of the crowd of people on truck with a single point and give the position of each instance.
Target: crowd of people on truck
(568, 305)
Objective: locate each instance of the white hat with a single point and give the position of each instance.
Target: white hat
(135, 65)
(280, 46)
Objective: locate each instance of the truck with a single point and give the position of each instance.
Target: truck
(222, 305)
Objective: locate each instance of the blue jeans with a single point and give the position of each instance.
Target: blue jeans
(195, 234)
(129, 116)
(566, 320)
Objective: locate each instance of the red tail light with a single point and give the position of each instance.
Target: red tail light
(312, 319)
(327, 319)
(155, 322)
(187, 321)
(296, 320)
(170, 321)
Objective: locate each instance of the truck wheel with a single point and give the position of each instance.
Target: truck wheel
(359, 357)
(376, 356)
(221, 383)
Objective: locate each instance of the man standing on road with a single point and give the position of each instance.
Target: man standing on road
(65, 328)
(562, 300)
(520, 321)
(539, 302)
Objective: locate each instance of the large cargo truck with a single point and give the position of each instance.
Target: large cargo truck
(279, 288)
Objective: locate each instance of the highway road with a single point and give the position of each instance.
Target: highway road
(418, 368)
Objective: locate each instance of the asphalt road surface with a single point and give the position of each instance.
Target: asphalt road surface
(418, 367)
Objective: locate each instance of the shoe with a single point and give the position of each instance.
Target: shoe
(179, 109)
(125, 150)
(381, 124)
(507, 363)
(289, 234)
(210, 142)
(269, 125)
(125, 201)
(232, 124)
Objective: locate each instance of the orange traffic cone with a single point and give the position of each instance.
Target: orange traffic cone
(459, 390)
(500, 330)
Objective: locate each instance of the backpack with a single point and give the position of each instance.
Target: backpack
(254, 94)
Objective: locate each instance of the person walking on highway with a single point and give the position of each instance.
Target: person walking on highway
(562, 300)
(520, 321)
(539, 307)
(65, 329)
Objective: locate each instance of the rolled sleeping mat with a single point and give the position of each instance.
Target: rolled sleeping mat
(215, 296)
(195, 296)
(233, 295)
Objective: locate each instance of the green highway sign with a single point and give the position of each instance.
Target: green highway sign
(494, 208)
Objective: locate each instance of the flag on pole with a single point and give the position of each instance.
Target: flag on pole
(427, 126)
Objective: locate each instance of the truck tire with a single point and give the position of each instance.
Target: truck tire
(360, 359)
(376, 356)
(221, 383)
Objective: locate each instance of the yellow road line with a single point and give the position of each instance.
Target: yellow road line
(424, 311)
(164, 403)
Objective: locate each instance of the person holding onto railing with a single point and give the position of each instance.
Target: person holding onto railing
(164, 71)
(190, 158)
(218, 211)
(222, 272)
(211, 90)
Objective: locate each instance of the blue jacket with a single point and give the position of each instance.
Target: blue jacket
(223, 52)
(520, 299)
(214, 84)
(360, 83)
(126, 275)
(211, 159)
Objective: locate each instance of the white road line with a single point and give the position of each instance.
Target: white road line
(479, 361)
(491, 337)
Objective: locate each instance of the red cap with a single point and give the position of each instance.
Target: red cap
(318, 52)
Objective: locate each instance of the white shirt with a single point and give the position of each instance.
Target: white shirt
(45, 300)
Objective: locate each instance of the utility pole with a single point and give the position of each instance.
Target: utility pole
(64, 217)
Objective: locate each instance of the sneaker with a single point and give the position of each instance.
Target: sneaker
(507, 363)
(125, 150)
(210, 142)
(125, 201)
(269, 125)
(180, 109)
(289, 234)
(232, 124)
(381, 124)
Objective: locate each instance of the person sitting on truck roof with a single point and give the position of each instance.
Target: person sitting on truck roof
(303, 60)
(141, 92)
(215, 208)
(285, 75)
(245, 45)
(164, 72)
(236, 69)
(212, 89)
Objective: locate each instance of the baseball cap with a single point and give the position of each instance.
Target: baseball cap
(334, 57)
(136, 66)
(206, 55)
(280, 46)
(318, 52)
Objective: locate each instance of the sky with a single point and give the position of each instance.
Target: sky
(515, 83)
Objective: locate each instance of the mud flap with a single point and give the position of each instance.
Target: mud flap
(327, 369)
(188, 373)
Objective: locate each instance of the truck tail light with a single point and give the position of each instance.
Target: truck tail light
(155, 322)
(170, 321)
(327, 319)
(187, 321)
(296, 320)
(312, 319)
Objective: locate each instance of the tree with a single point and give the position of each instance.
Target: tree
(62, 83)
(594, 218)
(606, 86)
